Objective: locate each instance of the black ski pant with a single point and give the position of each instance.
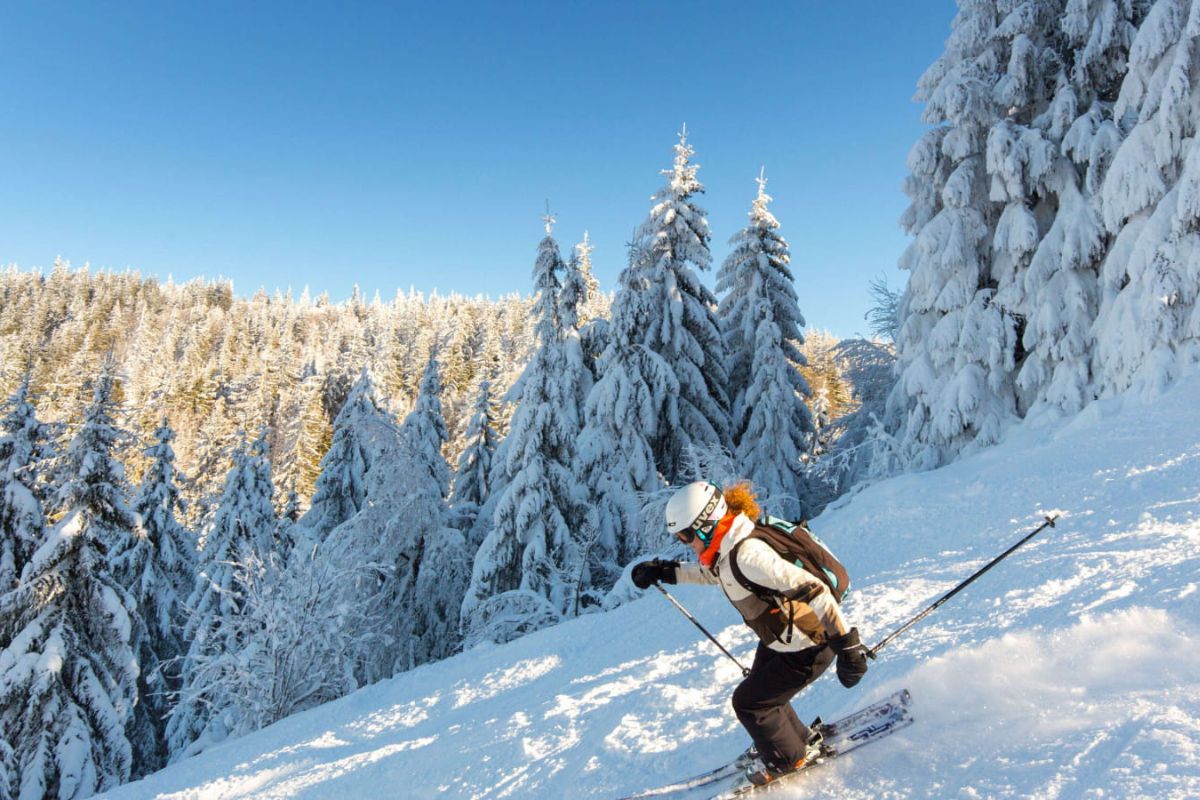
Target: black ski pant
(762, 701)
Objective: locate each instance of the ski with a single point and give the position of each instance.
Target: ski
(892, 704)
(869, 730)
(839, 737)
(712, 776)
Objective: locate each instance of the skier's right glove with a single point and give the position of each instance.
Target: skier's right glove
(851, 657)
(655, 571)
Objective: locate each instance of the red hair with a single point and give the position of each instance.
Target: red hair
(741, 500)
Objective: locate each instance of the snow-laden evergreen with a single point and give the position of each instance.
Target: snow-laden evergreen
(577, 375)
(69, 671)
(536, 542)
(158, 568)
(1039, 275)
(955, 344)
(472, 480)
(760, 320)
(402, 565)
(433, 561)
(1148, 331)
(23, 439)
(342, 487)
(240, 531)
(593, 303)
(424, 433)
(1047, 158)
(683, 329)
(636, 395)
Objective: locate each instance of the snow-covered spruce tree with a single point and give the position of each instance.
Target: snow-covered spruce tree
(956, 346)
(684, 329)
(1148, 330)
(1046, 159)
(636, 394)
(577, 373)
(361, 430)
(761, 321)
(23, 440)
(406, 568)
(431, 558)
(290, 513)
(472, 481)
(241, 529)
(68, 673)
(593, 303)
(534, 545)
(424, 431)
(158, 568)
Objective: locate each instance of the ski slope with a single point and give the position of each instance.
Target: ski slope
(1072, 670)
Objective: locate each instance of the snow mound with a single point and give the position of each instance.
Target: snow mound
(1071, 670)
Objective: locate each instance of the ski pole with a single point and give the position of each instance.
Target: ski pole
(1049, 523)
(703, 630)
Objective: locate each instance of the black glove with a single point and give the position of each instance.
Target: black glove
(851, 657)
(655, 571)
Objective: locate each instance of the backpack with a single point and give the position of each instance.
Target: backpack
(796, 543)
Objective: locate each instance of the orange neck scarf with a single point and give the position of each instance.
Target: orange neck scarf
(709, 556)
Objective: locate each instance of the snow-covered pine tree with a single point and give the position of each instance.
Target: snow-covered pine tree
(290, 514)
(533, 546)
(424, 431)
(594, 310)
(23, 439)
(68, 673)
(577, 373)
(1046, 158)
(431, 560)
(956, 346)
(472, 481)
(684, 329)
(761, 321)
(158, 569)
(636, 394)
(362, 429)
(406, 568)
(593, 303)
(241, 529)
(1148, 329)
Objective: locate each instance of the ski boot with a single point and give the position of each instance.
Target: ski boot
(759, 773)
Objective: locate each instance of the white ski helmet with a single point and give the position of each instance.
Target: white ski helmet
(695, 506)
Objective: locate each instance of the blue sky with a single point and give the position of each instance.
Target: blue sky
(395, 145)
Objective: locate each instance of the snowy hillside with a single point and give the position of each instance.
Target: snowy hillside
(1072, 670)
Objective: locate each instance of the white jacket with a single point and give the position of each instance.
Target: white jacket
(812, 618)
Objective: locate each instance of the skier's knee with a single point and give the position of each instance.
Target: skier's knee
(741, 698)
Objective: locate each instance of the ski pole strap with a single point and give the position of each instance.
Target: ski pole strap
(703, 630)
(1049, 523)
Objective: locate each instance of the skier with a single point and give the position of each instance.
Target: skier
(801, 630)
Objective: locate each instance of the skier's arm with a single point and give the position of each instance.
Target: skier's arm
(694, 573)
(763, 566)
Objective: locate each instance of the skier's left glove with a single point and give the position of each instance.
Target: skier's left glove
(851, 657)
(655, 571)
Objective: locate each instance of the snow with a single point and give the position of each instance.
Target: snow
(1070, 670)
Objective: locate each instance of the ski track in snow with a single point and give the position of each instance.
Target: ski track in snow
(1071, 670)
